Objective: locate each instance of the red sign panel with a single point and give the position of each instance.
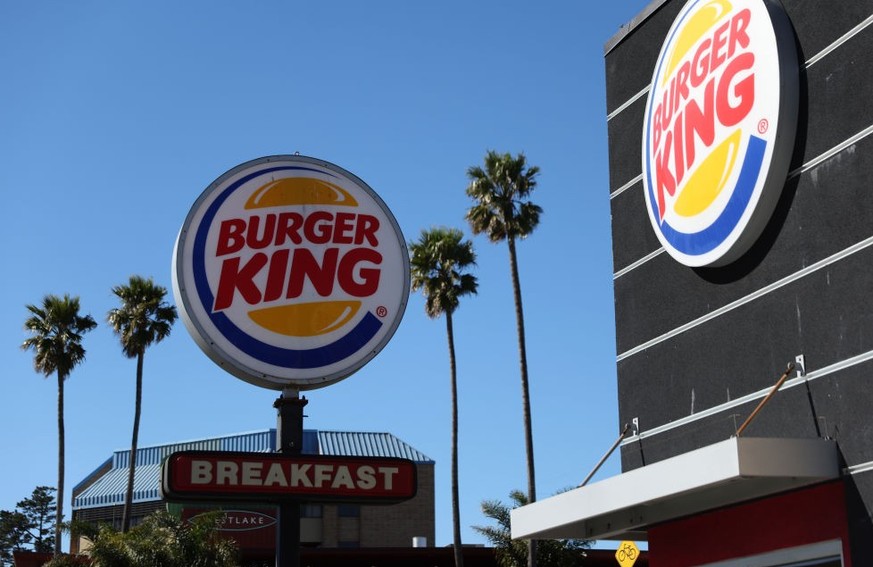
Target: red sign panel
(220, 475)
(252, 529)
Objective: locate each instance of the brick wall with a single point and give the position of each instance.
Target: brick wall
(396, 525)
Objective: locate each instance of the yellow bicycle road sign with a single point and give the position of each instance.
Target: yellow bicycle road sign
(627, 554)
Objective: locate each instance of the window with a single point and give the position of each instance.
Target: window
(348, 511)
(310, 511)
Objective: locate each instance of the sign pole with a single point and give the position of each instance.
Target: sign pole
(290, 436)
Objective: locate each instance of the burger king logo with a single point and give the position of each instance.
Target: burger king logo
(719, 128)
(290, 272)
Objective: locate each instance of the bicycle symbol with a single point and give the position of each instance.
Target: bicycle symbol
(626, 555)
(626, 552)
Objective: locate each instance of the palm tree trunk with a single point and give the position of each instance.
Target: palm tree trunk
(456, 509)
(60, 502)
(525, 391)
(128, 498)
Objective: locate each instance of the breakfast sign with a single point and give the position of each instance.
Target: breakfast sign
(224, 475)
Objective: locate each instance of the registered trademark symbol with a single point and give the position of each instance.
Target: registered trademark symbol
(763, 125)
(381, 311)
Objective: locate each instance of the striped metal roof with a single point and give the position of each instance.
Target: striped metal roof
(367, 445)
(109, 489)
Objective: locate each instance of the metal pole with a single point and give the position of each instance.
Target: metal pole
(289, 431)
(606, 456)
(772, 393)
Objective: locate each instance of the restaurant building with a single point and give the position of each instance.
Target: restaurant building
(741, 194)
(99, 498)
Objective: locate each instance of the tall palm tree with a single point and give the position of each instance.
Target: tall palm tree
(56, 329)
(143, 319)
(438, 262)
(502, 211)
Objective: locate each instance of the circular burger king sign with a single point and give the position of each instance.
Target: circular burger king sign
(719, 128)
(290, 272)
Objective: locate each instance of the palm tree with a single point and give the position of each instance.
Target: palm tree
(56, 330)
(144, 318)
(161, 539)
(502, 211)
(514, 553)
(438, 262)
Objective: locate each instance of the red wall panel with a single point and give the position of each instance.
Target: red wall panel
(792, 519)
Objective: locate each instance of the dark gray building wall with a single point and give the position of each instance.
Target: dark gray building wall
(699, 348)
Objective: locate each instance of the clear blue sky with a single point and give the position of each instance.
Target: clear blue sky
(115, 116)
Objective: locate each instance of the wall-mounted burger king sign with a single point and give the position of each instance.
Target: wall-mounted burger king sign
(719, 128)
(290, 272)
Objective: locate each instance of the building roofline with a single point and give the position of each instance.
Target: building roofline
(635, 22)
(106, 485)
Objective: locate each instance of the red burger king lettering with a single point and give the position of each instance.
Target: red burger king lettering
(352, 264)
(319, 227)
(716, 84)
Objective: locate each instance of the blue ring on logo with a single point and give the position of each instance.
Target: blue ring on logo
(706, 240)
(325, 355)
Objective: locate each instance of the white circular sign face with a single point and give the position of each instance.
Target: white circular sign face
(719, 128)
(290, 272)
